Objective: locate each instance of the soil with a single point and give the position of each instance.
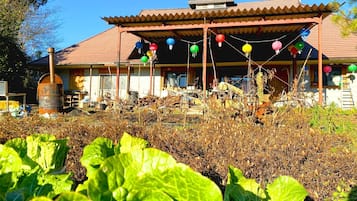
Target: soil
(282, 144)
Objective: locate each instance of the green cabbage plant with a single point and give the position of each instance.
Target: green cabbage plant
(33, 167)
(283, 188)
(131, 171)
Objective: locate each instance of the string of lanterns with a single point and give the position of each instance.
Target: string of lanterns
(220, 38)
(247, 48)
(328, 69)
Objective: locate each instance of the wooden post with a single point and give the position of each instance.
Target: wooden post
(128, 82)
(150, 87)
(90, 82)
(117, 82)
(204, 62)
(320, 84)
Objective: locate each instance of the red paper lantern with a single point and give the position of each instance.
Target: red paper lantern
(220, 39)
(327, 69)
(153, 47)
(294, 51)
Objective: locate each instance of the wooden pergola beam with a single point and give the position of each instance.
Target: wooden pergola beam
(212, 25)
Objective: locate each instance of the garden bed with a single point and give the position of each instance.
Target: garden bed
(285, 144)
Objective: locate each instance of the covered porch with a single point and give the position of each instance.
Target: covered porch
(257, 27)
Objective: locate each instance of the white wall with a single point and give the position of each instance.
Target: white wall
(139, 82)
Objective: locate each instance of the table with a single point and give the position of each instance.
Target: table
(12, 95)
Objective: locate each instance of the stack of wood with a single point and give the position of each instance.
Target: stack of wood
(170, 101)
(147, 101)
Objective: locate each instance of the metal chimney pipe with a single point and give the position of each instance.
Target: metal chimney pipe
(51, 60)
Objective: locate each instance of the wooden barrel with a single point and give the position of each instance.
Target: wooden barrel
(50, 95)
(50, 98)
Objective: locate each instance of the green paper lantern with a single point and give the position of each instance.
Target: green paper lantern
(194, 50)
(352, 68)
(144, 59)
(300, 45)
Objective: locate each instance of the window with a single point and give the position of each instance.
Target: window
(176, 79)
(239, 81)
(107, 85)
(107, 81)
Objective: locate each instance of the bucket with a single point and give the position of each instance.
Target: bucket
(50, 98)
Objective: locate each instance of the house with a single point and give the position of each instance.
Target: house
(93, 65)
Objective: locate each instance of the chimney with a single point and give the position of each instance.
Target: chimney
(51, 59)
(210, 4)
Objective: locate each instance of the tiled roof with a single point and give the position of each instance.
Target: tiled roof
(99, 49)
(102, 49)
(334, 45)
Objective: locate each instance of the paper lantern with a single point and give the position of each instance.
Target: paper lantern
(194, 50)
(153, 47)
(150, 54)
(293, 51)
(327, 69)
(352, 68)
(276, 45)
(170, 42)
(247, 49)
(220, 39)
(144, 59)
(304, 33)
(139, 46)
(299, 46)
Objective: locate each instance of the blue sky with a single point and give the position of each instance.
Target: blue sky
(81, 19)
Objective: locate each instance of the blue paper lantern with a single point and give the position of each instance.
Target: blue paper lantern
(170, 42)
(139, 45)
(304, 33)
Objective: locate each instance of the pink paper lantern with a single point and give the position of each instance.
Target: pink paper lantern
(276, 45)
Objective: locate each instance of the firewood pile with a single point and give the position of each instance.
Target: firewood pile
(147, 101)
(169, 101)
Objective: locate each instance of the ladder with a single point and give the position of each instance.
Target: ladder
(346, 94)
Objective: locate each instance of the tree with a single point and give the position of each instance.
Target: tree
(12, 60)
(12, 14)
(37, 32)
(12, 57)
(346, 18)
